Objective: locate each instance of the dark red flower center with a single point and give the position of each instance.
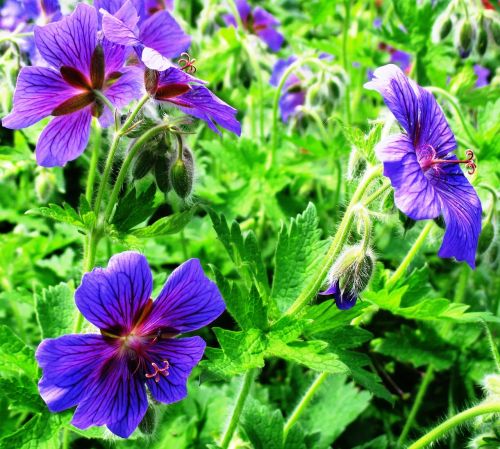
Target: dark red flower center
(88, 86)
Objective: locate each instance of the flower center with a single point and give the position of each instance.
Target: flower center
(427, 159)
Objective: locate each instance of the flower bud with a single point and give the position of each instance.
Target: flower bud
(445, 28)
(482, 42)
(465, 38)
(350, 275)
(161, 171)
(486, 238)
(45, 183)
(356, 165)
(182, 173)
(149, 422)
(495, 31)
(144, 162)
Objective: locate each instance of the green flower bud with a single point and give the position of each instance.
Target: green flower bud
(445, 28)
(356, 165)
(486, 238)
(482, 42)
(161, 170)
(149, 422)
(144, 162)
(495, 31)
(465, 38)
(45, 183)
(182, 173)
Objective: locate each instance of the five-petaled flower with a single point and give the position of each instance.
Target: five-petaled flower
(294, 92)
(187, 93)
(155, 39)
(259, 22)
(423, 170)
(81, 69)
(105, 374)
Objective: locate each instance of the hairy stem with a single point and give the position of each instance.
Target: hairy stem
(345, 59)
(89, 188)
(493, 346)
(454, 421)
(398, 274)
(238, 408)
(429, 373)
(304, 402)
(337, 243)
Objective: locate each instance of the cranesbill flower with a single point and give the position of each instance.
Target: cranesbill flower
(155, 39)
(259, 22)
(343, 299)
(79, 66)
(482, 74)
(423, 170)
(401, 59)
(188, 94)
(293, 95)
(19, 15)
(105, 375)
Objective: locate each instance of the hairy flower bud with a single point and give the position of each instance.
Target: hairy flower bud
(144, 162)
(486, 238)
(495, 31)
(182, 173)
(356, 165)
(465, 38)
(45, 183)
(482, 42)
(161, 171)
(149, 422)
(445, 28)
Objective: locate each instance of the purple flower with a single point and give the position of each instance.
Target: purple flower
(79, 66)
(344, 300)
(155, 39)
(401, 59)
(421, 165)
(482, 74)
(377, 23)
(153, 6)
(259, 22)
(17, 15)
(293, 94)
(188, 94)
(105, 374)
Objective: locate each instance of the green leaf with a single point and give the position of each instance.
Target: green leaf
(86, 213)
(166, 225)
(247, 309)
(240, 352)
(40, 432)
(377, 443)
(312, 354)
(15, 356)
(335, 406)
(243, 251)
(416, 347)
(55, 311)
(134, 208)
(298, 255)
(65, 214)
(263, 427)
(21, 393)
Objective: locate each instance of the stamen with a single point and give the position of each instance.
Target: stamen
(186, 63)
(157, 371)
(470, 165)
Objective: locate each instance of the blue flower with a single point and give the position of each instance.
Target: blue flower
(105, 375)
(423, 170)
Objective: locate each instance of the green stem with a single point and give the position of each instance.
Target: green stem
(416, 405)
(442, 429)
(304, 402)
(493, 346)
(89, 188)
(454, 103)
(369, 199)
(396, 276)
(345, 59)
(238, 408)
(137, 145)
(65, 439)
(337, 243)
(461, 287)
